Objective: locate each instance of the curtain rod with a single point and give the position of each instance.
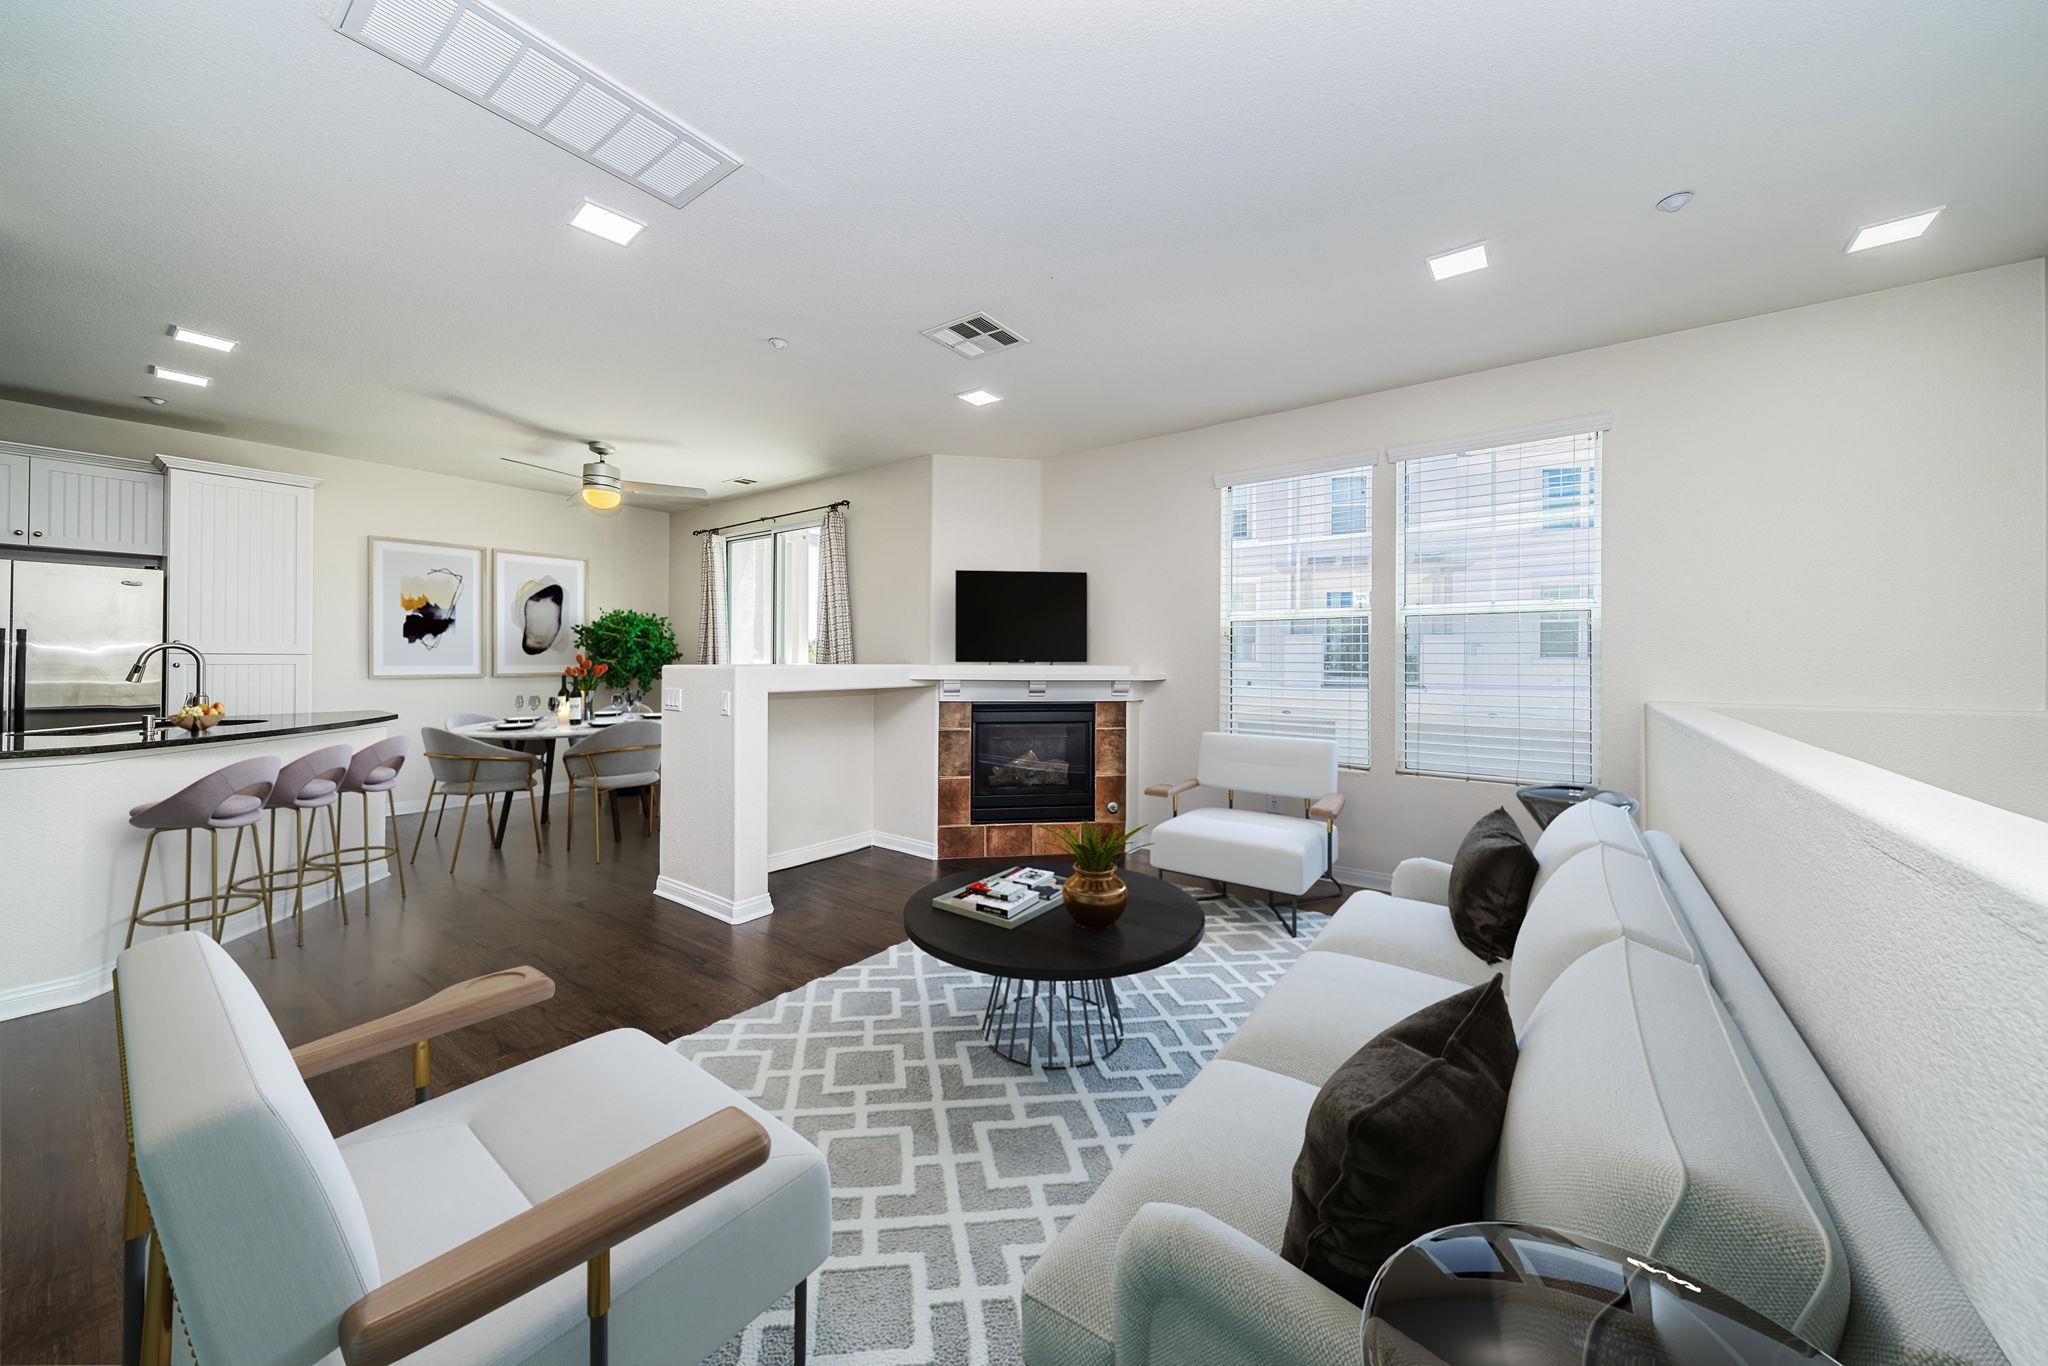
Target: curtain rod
(822, 507)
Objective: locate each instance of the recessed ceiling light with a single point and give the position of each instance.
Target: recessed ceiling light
(179, 376)
(1893, 230)
(1463, 261)
(599, 221)
(206, 339)
(980, 398)
(152, 398)
(1672, 203)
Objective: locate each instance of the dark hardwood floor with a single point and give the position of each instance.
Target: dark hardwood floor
(620, 958)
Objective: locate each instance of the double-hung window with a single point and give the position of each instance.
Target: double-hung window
(1498, 608)
(1297, 599)
(771, 596)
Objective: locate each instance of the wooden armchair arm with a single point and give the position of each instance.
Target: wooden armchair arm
(465, 1003)
(1172, 791)
(1327, 808)
(530, 1249)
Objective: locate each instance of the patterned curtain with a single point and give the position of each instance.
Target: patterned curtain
(711, 625)
(835, 606)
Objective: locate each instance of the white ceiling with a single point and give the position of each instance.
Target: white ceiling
(1195, 209)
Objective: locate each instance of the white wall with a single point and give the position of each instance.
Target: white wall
(1841, 505)
(888, 555)
(985, 515)
(358, 499)
(1905, 931)
(821, 772)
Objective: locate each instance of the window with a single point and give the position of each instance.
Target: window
(1297, 593)
(771, 596)
(1498, 605)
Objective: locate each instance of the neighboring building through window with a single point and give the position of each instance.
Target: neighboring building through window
(1498, 606)
(771, 596)
(1297, 594)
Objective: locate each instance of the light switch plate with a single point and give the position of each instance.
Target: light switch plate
(671, 699)
(725, 704)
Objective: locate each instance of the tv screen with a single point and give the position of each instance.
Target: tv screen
(1012, 617)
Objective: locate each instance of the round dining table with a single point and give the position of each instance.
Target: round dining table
(540, 738)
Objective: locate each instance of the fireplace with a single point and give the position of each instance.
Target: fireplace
(1032, 761)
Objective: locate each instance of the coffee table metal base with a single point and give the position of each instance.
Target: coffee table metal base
(1079, 1023)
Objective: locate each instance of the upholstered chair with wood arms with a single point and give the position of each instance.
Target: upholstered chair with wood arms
(621, 758)
(1281, 855)
(470, 768)
(608, 1196)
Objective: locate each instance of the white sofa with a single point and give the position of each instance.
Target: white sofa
(1638, 1113)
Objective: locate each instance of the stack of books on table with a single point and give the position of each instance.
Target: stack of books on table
(1008, 898)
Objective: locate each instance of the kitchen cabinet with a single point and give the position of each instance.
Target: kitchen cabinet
(13, 497)
(69, 500)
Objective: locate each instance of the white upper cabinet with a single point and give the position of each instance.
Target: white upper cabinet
(68, 500)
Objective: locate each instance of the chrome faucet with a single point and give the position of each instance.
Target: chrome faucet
(198, 666)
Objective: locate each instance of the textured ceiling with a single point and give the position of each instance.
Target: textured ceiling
(1195, 209)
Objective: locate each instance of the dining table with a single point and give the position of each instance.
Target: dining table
(541, 738)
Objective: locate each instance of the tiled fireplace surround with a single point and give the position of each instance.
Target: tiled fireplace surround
(959, 837)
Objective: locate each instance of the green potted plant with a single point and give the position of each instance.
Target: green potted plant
(1094, 895)
(636, 645)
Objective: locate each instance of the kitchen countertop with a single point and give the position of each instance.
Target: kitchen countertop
(132, 740)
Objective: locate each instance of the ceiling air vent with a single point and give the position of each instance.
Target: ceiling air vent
(742, 479)
(482, 55)
(977, 334)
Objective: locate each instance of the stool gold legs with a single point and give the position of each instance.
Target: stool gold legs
(219, 899)
(391, 831)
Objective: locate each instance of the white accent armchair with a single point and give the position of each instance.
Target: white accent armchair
(1279, 855)
(608, 1195)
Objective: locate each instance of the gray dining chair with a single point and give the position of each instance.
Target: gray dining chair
(621, 757)
(457, 722)
(471, 769)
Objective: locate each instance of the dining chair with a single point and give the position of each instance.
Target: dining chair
(457, 722)
(471, 769)
(621, 757)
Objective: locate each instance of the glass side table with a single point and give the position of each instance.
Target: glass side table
(1493, 1294)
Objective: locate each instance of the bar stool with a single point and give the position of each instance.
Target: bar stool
(373, 769)
(472, 769)
(306, 785)
(230, 798)
(621, 757)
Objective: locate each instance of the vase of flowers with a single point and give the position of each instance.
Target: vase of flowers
(1093, 894)
(581, 677)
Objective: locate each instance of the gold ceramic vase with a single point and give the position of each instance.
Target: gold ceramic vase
(1095, 900)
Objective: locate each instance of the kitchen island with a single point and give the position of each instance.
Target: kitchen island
(68, 856)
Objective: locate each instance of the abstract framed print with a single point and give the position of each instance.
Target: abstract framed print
(428, 610)
(538, 601)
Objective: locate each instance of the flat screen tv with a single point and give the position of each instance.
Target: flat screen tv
(1017, 617)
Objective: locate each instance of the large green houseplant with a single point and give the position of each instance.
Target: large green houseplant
(637, 645)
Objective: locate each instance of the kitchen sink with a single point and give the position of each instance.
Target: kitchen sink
(116, 727)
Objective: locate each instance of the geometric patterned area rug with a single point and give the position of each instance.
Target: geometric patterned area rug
(951, 1167)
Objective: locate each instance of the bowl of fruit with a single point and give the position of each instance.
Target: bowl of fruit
(196, 715)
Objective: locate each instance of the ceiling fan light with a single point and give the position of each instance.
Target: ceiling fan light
(601, 498)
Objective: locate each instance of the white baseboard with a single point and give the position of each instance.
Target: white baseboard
(904, 844)
(37, 997)
(712, 904)
(1355, 879)
(811, 853)
(414, 806)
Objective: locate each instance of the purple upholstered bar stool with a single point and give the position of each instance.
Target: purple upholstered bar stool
(374, 769)
(231, 798)
(306, 785)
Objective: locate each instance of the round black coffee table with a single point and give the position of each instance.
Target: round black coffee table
(1050, 972)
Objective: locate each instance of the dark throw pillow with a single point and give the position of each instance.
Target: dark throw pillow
(1400, 1137)
(1490, 882)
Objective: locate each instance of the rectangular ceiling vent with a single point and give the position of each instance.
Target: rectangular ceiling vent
(484, 56)
(977, 334)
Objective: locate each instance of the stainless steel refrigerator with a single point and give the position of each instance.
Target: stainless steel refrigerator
(68, 635)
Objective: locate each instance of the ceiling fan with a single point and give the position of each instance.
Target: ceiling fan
(602, 490)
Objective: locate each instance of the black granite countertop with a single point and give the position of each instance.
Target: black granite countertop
(232, 730)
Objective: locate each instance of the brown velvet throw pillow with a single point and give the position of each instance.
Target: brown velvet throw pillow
(1490, 882)
(1400, 1137)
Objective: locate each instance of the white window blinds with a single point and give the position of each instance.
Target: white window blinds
(1297, 601)
(1498, 606)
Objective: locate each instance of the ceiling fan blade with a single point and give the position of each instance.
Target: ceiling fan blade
(664, 490)
(544, 469)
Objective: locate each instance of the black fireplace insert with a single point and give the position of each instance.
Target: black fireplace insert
(1033, 761)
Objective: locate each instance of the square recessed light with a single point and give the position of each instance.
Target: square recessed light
(206, 339)
(1463, 261)
(179, 376)
(980, 398)
(1894, 230)
(599, 221)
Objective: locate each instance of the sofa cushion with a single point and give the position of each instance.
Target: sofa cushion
(1225, 1146)
(1327, 1007)
(1411, 934)
(1273, 853)
(1583, 825)
(1637, 1115)
(1598, 895)
(1490, 881)
(1400, 1137)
